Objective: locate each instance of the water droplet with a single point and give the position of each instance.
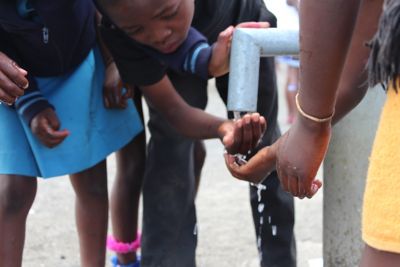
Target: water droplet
(269, 219)
(260, 207)
(195, 229)
(261, 220)
(274, 230)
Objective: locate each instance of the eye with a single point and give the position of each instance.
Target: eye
(171, 15)
(132, 32)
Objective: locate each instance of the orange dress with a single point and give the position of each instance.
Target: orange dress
(381, 206)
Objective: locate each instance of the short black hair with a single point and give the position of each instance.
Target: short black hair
(384, 61)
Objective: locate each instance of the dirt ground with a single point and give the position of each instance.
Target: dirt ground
(226, 234)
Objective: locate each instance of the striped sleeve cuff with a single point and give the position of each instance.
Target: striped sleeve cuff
(198, 59)
(30, 104)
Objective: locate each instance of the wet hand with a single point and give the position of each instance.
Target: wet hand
(256, 169)
(113, 94)
(219, 62)
(299, 154)
(46, 127)
(13, 80)
(244, 134)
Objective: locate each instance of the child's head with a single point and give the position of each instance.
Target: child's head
(160, 24)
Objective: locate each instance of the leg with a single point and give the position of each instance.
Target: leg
(16, 197)
(169, 215)
(126, 193)
(91, 209)
(279, 250)
(372, 257)
(127, 187)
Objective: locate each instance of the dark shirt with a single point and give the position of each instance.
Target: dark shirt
(51, 41)
(192, 56)
(138, 66)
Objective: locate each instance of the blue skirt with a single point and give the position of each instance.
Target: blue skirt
(95, 132)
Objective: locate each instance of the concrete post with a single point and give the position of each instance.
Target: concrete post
(345, 169)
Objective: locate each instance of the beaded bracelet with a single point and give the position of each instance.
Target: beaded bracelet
(310, 117)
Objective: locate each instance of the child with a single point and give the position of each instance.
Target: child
(380, 219)
(133, 31)
(58, 124)
(66, 59)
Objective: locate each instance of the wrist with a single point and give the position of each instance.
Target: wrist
(108, 62)
(224, 128)
(312, 126)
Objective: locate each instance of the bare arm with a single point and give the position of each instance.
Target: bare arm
(195, 123)
(353, 82)
(163, 97)
(325, 32)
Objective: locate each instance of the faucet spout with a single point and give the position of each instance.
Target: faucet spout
(248, 45)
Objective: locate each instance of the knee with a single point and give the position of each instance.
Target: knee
(16, 197)
(97, 190)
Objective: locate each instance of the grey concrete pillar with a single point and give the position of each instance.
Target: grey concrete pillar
(345, 170)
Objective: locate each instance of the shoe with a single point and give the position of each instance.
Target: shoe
(115, 262)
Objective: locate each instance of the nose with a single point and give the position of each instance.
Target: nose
(160, 35)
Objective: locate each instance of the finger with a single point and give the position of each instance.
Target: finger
(6, 98)
(240, 172)
(281, 175)
(117, 94)
(56, 137)
(246, 135)
(230, 162)
(57, 134)
(254, 24)
(9, 86)
(301, 189)
(232, 143)
(15, 74)
(109, 98)
(106, 102)
(227, 33)
(285, 183)
(315, 186)
(263, 124)
(255, 122)
(128, 93)
(293, 185)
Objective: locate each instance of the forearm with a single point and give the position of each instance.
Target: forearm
(195, 123)
(325, 33)
(353, 82)
(189, 121)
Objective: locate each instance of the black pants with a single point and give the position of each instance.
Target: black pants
(169, 215)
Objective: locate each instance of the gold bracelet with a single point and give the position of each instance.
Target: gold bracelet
(310, 117)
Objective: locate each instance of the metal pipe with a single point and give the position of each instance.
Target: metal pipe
(248, 45)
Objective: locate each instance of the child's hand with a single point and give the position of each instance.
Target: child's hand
(295, 160)
(219, 62)
(244, 134)
(256, 168)
(12, 80)
(45, 125)
(112, 91)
